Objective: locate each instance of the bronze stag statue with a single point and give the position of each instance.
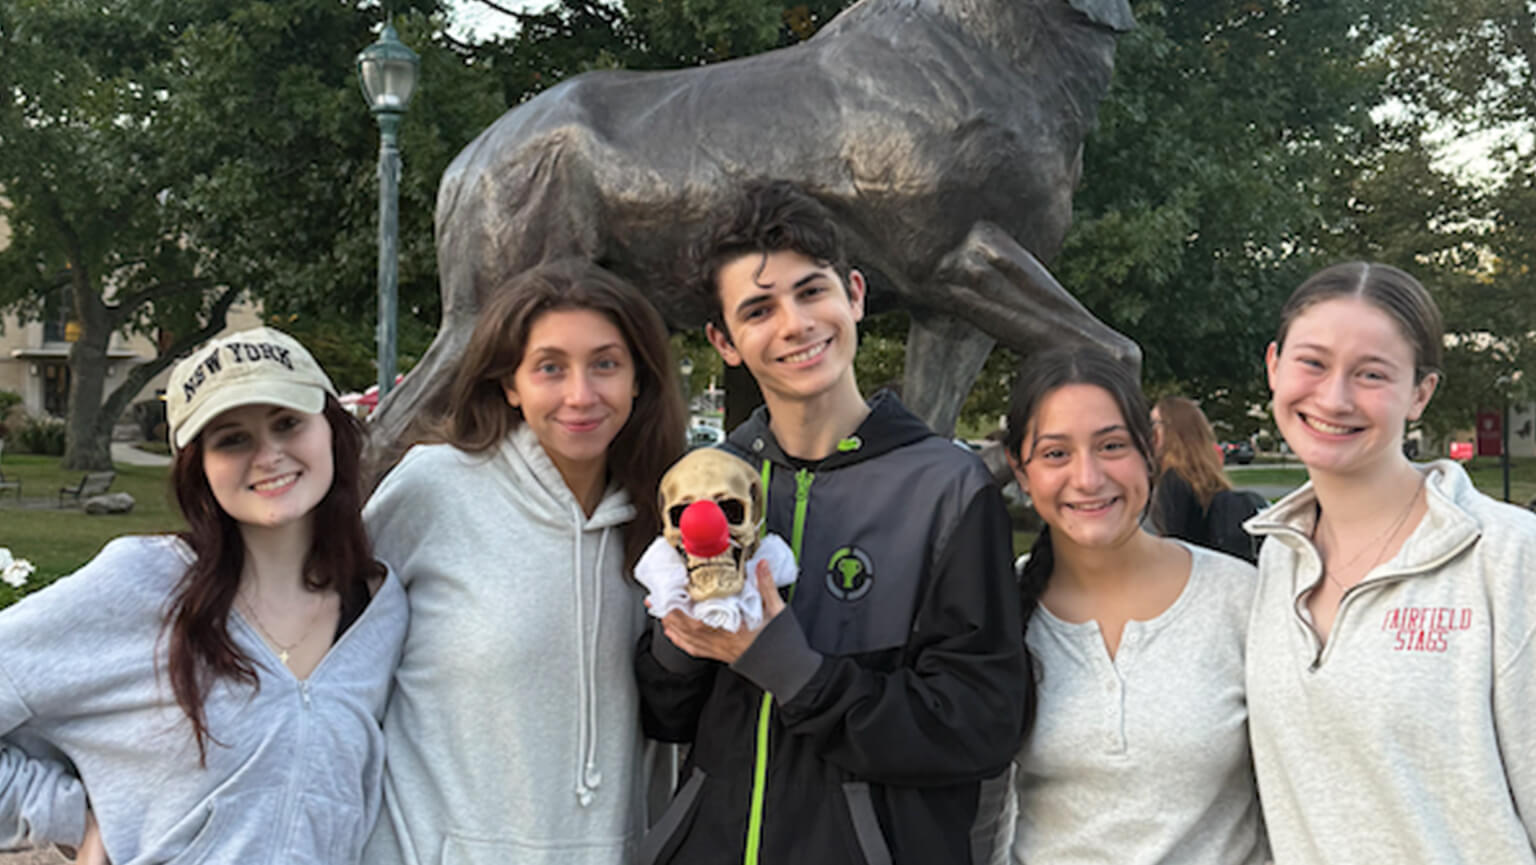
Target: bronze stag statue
(945, 134)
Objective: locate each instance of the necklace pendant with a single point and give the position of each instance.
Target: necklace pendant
(283, 656)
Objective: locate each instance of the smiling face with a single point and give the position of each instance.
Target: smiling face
(268, 466)
(575, 387)
(1080, 466)
(792, 322)
(1344, 388)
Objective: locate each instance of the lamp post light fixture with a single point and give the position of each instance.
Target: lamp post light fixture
(388, 70)
(685, 366)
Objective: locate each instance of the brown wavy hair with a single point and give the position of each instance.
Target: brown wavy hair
(478, 417)
(1189, 448)
(340, 557)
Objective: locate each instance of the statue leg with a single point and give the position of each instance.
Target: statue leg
(997, 285)
(944, 356)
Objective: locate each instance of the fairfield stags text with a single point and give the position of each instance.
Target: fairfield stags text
(1425, 629)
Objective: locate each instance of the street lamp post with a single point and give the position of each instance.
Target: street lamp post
(387, 70)
(685, 366)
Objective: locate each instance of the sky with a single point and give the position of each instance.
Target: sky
(477, 20)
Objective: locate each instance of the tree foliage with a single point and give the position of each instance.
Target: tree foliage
(1213, 184)
(163, 159)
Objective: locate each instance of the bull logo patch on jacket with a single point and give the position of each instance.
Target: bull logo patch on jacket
(850, 574)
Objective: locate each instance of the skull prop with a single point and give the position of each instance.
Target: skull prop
(712, 475)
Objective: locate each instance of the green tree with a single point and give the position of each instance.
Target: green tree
(164, 159)
(1213, 184)
(1459, 82)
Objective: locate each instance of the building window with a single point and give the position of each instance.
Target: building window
(56, 377)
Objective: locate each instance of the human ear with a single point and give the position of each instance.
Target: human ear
(856, 293)
(509, 388)
(1018, 470)
(1271, 362)
(1422, 393)
(721, 340)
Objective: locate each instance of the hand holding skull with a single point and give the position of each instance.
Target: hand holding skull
(702, 641)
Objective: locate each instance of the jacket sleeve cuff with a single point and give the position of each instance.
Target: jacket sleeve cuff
(671, 658)
(780, 660)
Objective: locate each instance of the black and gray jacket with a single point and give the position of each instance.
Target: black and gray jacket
(896, 673)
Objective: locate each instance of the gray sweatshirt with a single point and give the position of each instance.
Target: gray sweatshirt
(1409, 736)
(513, 730)
(294, 775)
(1142, 758)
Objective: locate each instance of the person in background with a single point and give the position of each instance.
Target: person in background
(214, 696)
(514, 728)
(1392, 650)
(1136, 757)
(1190, 472)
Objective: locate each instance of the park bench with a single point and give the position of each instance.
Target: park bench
(93, 484)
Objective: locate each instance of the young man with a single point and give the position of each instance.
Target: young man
(873, 718)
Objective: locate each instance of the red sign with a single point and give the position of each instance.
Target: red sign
(1490, 434)
(1461, 450)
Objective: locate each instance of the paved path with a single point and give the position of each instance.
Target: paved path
(127, 454)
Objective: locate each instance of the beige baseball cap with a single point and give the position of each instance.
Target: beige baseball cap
(260, 366)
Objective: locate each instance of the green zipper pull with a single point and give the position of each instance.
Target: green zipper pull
(803, 480)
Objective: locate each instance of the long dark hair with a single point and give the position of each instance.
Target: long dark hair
(340, 557)
(1039, 377)
(478, 417)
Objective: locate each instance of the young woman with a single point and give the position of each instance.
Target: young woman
(1139, 752)
(514, 728)
(1391, 661)
(214, 695)
(1190, 473)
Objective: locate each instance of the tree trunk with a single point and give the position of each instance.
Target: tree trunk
(88, 436)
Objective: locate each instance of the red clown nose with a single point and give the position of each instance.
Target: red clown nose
(705, 532)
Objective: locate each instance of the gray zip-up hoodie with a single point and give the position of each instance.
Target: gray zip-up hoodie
(513, 730)
(294, 774)
(1408, 737)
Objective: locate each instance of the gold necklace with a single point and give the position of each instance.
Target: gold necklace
(283, 650)
(1385, 540)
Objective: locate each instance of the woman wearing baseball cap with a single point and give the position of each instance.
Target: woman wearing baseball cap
(214, 695)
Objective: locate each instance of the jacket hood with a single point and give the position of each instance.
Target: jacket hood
(888, 427)
(537, 485)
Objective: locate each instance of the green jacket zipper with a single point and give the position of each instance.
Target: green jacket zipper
(803, 479)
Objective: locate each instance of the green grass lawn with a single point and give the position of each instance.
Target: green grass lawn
(58, 541)
(1269, 476)
(1489, 478)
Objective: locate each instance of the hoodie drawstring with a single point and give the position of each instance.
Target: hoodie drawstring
(588, 778)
